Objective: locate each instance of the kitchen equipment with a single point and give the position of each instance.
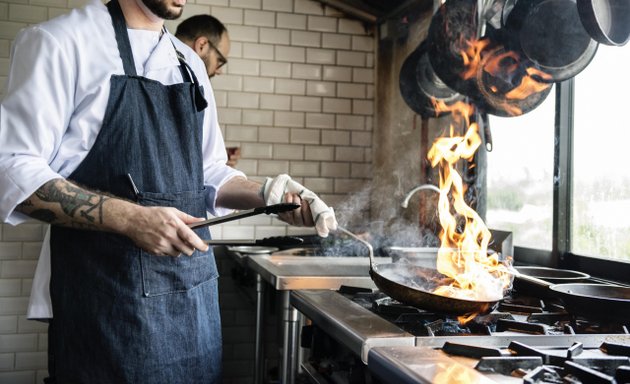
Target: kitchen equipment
(606, 21)
(268, 209)
(599, 300)
(274, 241)
(396, 280)
(537, 280)
(551, 35)
(420, 86)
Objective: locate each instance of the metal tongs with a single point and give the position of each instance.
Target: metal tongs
(268, 209)
(274, 241)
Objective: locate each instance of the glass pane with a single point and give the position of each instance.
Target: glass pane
(520, 175)
(601, 180)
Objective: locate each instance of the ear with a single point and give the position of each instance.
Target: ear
(199, 44)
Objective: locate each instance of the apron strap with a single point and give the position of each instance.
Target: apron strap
(122, 38)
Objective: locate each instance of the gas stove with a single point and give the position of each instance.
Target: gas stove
(362, 335)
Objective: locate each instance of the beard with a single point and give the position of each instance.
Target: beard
(161, 9)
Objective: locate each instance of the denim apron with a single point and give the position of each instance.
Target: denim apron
(122, 315)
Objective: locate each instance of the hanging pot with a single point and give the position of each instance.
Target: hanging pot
(419, 85)
(495, 82)
(551, 35)
(606, 21)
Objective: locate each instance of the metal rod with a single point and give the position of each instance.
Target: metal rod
(260, 320)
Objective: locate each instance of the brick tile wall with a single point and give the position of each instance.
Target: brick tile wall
(296, 96)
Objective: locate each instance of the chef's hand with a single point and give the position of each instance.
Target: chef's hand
(283, 189)
(164, 231)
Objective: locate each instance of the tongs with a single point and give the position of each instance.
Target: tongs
(268, 209)
(274, 241)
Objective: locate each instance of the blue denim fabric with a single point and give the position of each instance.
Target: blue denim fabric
(122, 315)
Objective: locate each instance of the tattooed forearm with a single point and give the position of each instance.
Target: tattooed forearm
(61, 202)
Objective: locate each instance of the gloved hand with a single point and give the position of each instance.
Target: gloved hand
(324, 216)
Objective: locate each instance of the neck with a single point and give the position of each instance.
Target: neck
(138, 16)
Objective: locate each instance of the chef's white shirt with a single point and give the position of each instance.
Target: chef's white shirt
(55, 99)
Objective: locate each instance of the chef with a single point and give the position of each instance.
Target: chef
(108, 133)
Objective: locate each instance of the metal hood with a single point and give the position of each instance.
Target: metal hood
(371, 11)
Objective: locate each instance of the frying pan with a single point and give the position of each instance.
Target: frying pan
(386, 278)
(606, 21)
(537, 280)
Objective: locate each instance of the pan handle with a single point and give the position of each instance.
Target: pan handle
(357, 238)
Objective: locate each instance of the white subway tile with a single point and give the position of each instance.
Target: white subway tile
(17, 377)
(231, 17)
(257, 150)
(288, 152)
(320, 120)
(350, 58)
(233, 232)
(320, 56)
(336, 41)
(278, 5)
(236, 50)
(5, 46)
(258, 51)
(335, 137)
(272, 167)
(241, 133)
(363, 75)
(244, 33)
(18, 343)
(289, 119)
(306, 39)
(362, 107)
(247, 166)
(275, 36)
(258, 84)
(351, 90)
(309, 6)
(26, 286)
(223, 3)
(260, 18)
(23, 232)
(227, 82)
(336, 169)
(243, 100)
(27, 13)
(363, 43)
(31, 250)
(270, 231)
(290, 87)
(274, 135)
(332, 73)
(322, 24)
(275, 69)
(10, 250)
(319, 184)
(305, 136)
(253, 4)
(348, 185)
(4, 15)
(349, 154)
(321, 88)
(292, 54)
(229, 115)
(244, 67)
(7, 361)
(351, 122)
(256, 220)
(8, 29)
(8, 324)
(369, 60)
(361, 170)
(10, 287)
(290, 21)
(257, 117)
(31, 326)
(306, 104)
(307, 71)
(17, 268)
(304, 168)
(300, 231)
(361, 139)
(351, 26)
(332, 105)
(276, 102)
(220, 98)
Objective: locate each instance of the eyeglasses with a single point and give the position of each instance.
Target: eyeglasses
(221, 59)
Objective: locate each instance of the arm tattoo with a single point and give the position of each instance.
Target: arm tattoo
(61, 202)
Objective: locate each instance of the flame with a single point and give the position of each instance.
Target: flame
(463, 254)
(472, 57)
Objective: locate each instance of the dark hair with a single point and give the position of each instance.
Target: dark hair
(201, 25)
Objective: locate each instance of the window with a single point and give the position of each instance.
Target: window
(600, 225)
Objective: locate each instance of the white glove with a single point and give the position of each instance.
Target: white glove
(324, 216)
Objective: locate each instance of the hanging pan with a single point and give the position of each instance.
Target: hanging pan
(606, 21)
(412, 285)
